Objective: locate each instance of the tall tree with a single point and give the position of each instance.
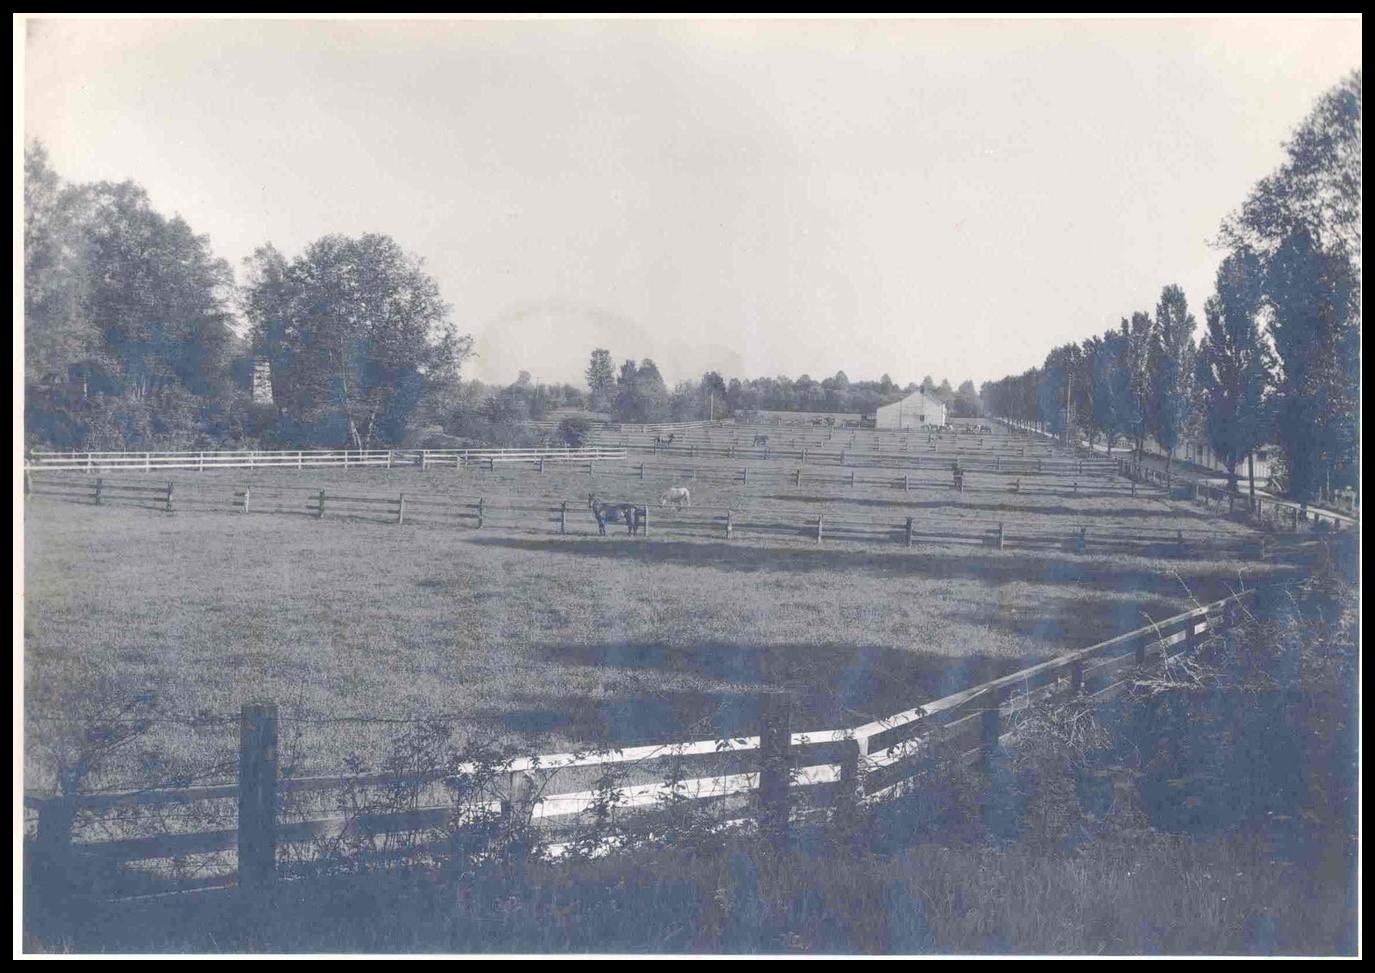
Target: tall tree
(1311, 295)
(1318, 188)
(1172, 371)
(1139, 334)
(353, 329)
(1234, 366)
(601, 378)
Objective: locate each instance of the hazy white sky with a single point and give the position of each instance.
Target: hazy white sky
(912, 197)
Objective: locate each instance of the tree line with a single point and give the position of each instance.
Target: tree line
(137, 336)
(637, 393)
(1278, 360)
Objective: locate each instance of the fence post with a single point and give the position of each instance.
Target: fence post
(320, 512)
(729, 524)
(389, 457)
(1081, 543)
(1133, 483)
(541, 464)
(745, 475)
(797, 478)
(245, 498)
(851, 783)
(906, 483)
(644, 521)
(100, 483)
(169, 497)
(519, 799)
(1076, 678)
(257, 794)
(818, 530)
(991, 729)
(200, 462)
(1179, 542)
(563, 516)
(909, 531)
(852, 478)
(642, 471)
(804, 456)
(1038, 465)
(1001, 536)
(479, 513)
(401, 510)
(775, 743)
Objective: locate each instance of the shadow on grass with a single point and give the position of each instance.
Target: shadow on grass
(834, 686)
(981, 565)
(1004, 508)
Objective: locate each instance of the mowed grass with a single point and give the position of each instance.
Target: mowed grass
(543, 641)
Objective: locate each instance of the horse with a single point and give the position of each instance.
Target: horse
(661, 441)
(678, 496)
(760, 440)
(626, 513)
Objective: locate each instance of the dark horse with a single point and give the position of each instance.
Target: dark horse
(615, 513)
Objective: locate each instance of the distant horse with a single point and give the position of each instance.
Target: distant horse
(614, 513)
(678, 496)
(661, 441)
(760, 440)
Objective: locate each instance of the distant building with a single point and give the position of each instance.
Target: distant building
(1201, 454)
(262, 381)
(912, 411)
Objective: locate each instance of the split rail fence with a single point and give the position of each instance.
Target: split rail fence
(770, 778)
(573, 517)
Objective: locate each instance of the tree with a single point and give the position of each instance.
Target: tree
(57, 335)
(1139, 334)
(713, 389)
(1234, 366)
(1318, 188)
(353, 329)
(1304, 223)
(601, 378)
(123, 304)
(1172, 371)
(1113, 406)
(1311, 295)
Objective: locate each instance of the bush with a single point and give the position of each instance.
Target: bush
(573, 432)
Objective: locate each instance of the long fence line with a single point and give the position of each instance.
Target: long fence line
(768, 777)
(574, 517)
(304, 459)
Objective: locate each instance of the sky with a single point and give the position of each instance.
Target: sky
(911, 197)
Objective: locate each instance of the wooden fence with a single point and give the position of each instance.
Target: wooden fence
(303, 459)
(769, 776)
(562, 516)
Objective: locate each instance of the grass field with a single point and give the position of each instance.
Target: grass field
(554, 641)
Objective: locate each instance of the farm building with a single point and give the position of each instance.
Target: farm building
(915, 410)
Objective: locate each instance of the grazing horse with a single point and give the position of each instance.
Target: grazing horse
(761, 440)
(678, 496)
(613, 513)
(661, 441)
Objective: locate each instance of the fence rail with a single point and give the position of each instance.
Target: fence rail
(563, 516)
(301, 459)
(868, 762)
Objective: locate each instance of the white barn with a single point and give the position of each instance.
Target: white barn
(912, 411)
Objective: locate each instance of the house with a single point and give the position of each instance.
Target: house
(911, 412)
(1200, 453)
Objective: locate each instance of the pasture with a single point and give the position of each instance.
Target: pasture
(357, 625)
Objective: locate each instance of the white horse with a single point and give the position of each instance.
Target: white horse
(678, 496)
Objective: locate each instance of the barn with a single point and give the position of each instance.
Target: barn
(911, 411)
